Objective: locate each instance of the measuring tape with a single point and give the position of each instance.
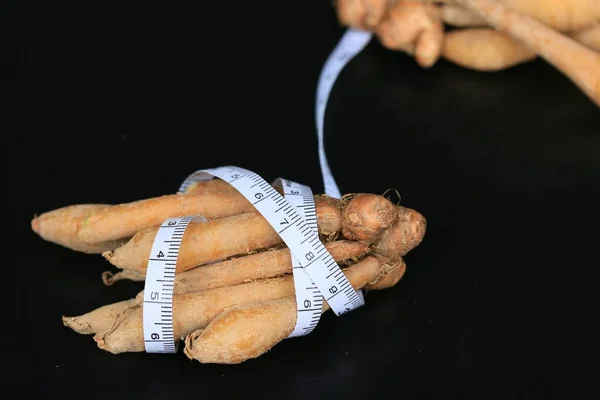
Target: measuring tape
(296, 233)
(316, 274)
(349, 46)
(158, 288)
(309, 301)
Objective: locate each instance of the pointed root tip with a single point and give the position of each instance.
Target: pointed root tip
(35, 225)
(77, 326)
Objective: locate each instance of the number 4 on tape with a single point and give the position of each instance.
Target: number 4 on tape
(159, 335)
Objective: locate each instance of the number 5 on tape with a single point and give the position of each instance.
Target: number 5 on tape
(159, 336)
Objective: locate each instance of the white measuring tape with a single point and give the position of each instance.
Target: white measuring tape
(309, 301)
(349, 46)
(158, 288)
(316, 274)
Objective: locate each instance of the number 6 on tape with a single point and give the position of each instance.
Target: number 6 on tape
(157, 309)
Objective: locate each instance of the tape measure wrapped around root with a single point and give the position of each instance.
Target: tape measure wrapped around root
(124, 232)
(193, 311)
(202, 243)
(233, 264)
(97, 228)
(247, 331)
(254, 267)
(264, 264)
(366, 217)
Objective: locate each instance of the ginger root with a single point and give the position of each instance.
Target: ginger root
(247, 331)
(232, 262)
(192, 311)
(509, 32)
(485, 49)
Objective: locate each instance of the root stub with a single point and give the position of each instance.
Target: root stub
(406, 234)
(366, 216)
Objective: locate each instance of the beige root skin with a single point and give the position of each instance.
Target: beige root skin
(95, 228)
(577, 62)
(366, 216)
(190, 311)
(404, 25)
(218, 239)
(375, 11)
(257, 266)
(61, 226)
(194, 311)
(485, 49)
(211, 187)
(329, 216)
(346, 11)
(202, 242)
(406, 234)
(589, 37)
(244, 332)
(127, 219)
(351, 13)
(562, 15)
(414, 28)
(100, 319)
(362, 14)
(238, 333)
(461, 17)
(266, 264)
(232, 272)
(488, 50)
(537, 24)
(389, 276)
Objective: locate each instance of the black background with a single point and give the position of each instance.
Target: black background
(109, 104)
